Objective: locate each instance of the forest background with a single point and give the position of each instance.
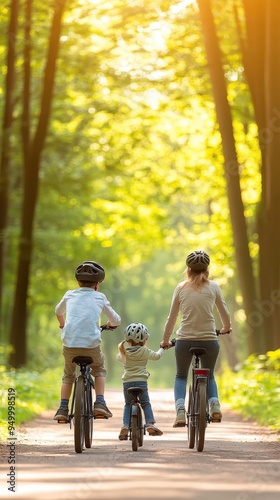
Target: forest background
(132, 134)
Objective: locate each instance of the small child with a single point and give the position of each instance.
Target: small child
(134, 359)
(78, 314)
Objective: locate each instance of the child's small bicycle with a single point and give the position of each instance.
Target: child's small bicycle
(137, 429)
(136, 426)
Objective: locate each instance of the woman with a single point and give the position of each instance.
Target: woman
(195, 299)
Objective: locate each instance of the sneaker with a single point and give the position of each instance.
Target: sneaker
(100, 410)
(180, 420)
(61, 415)
(215, 411)
(153, 430)
(123, 435)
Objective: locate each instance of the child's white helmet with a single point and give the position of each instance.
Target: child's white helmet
(137, 332)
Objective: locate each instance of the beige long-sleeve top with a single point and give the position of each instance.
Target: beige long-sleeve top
(197, 312)
(135, 361)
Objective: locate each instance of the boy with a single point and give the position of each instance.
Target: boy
(78, 314)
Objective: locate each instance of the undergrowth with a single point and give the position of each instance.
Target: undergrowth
(254, 391)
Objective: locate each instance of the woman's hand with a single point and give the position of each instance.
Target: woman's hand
(225, 330)
(166, 345)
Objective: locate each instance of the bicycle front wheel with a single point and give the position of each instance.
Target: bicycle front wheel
(88, 416)
(191, 421)
(79, 415)
(201, 414)
(134, 432)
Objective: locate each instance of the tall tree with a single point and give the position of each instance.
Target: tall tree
(32, 149)
(260, 44)
(5, 143)
(231, 168)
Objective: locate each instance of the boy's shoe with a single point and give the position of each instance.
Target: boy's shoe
(100, 410)
(123, 436)
(61, 415)
(180, 420)
(215, 411)
(153, 430)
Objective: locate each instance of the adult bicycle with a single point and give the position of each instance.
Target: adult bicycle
(81, 413)
(198, 415)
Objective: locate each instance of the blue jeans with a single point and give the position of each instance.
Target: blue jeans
(144, 400)
(183, 362)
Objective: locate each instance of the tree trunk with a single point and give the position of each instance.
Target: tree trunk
(236, 208)
(32, 158)
(5, 146)
(260, 51)
(272, 158)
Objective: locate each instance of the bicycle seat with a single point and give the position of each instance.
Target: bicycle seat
(197, 350)
(135, 391)
(82, 360)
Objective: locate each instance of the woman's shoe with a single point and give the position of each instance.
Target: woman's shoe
(180, 420)
(215, 411)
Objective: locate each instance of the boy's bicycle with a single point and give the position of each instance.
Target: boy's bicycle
(81, 406)
(198, 415)
(136, 426)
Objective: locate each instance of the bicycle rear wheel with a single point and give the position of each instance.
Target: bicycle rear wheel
(88, 416)
(79, 428)
(141, 428)
(201, 413)
(191, 420)
(134, 432)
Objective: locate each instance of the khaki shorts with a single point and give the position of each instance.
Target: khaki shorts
(98, 368)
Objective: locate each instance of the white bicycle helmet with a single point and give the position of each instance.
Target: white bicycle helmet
(198, 260)
(137, 332)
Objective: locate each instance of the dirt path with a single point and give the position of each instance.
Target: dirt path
(240, 461)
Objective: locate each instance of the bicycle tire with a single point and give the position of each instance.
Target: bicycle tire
(79, 428)
(201, 414)
(134, 432)
(88, 416)
(191, 421)
(141, 428)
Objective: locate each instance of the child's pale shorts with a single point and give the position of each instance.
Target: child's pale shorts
(98, 368)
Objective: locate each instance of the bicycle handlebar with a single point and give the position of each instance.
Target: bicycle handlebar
(218, 332)
(173, 341)
(105, 327)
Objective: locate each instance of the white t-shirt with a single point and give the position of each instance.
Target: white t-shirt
(83, 307)
(196, 308)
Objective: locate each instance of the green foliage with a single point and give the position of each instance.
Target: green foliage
(35, 392)
(254, 390)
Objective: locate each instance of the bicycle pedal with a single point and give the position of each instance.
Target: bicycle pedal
(100, 417)
(63, 421)
(216, 420)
